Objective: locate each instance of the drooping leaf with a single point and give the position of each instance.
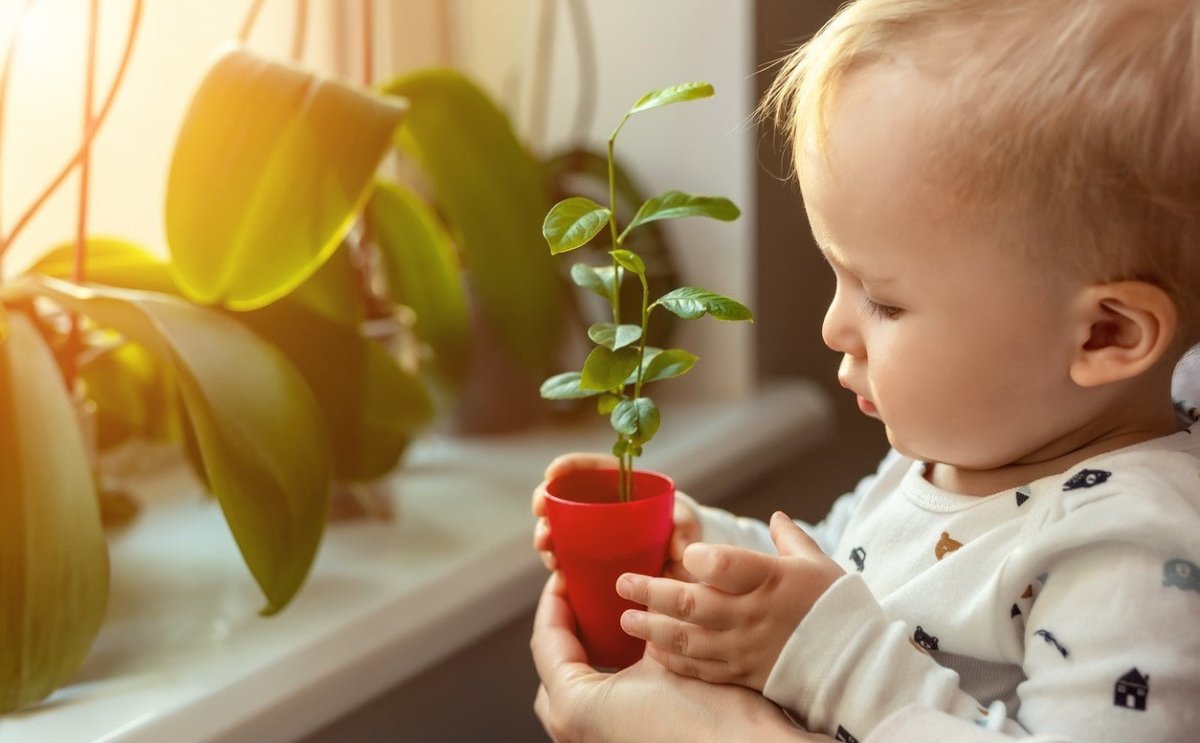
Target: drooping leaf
(271, 167)
(614, 337)
(565, 386)
(629, 260)
(674, 94)
(677, 204)
(637, 417)
(53, 558)
(259, 430)
(604, 369)
(670, 363)
(491, 192)
(690, 302)
(423, 273)
(572, 222)
(371, 405)
(599, 280)
(110, 261)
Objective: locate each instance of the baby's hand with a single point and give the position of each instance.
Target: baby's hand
(730, 627)
(687, 525)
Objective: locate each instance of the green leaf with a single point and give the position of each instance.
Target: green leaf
(134, 395)
(674, 94)
(629, 260)
(637, 418)
(423, 272)
(259, 429)
(490, 190)
(677, 204)
(598, 280)
(372, 406)
(53, 557)
(648, 355)
(606, 403)
(690, 302)
(571, 223)
(110, 261)
(612, 336)
(565, 386)
(605, 370)
(670, 363)
(271, 167)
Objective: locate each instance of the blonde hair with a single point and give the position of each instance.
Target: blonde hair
(1082, 115)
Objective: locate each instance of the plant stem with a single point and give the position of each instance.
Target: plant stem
(79, 270)
(300, 30)
(97, 122)
(248, 21)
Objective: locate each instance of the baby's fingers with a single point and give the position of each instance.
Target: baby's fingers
(690, 602)
(732, 570)
(672, 635)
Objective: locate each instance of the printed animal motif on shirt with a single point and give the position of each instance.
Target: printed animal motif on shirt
(844, 735)
(1045, 635)
(1182, 574)
(859, 556)
(1023, 494)
(1131, 690)
(1086, 479)
(924, 641)
(946, 545)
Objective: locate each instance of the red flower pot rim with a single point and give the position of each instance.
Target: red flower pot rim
(667, 488)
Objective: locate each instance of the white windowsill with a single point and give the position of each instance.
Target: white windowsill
(184, 656)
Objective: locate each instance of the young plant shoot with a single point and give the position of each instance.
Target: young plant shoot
(621, 364)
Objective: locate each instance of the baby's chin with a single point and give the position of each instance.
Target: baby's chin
(981, 458)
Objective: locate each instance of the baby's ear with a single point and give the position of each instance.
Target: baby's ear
(1125, 328)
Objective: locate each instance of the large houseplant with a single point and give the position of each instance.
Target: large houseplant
(251, 343)
(609, 521)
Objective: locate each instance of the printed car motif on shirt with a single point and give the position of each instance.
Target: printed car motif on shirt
(1086, 479)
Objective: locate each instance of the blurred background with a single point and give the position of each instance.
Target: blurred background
(564, 71)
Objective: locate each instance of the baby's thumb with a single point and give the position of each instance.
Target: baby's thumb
(790, 539)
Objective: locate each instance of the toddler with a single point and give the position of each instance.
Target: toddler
(1008, 194)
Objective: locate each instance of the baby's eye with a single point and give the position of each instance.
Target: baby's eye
(879, 311)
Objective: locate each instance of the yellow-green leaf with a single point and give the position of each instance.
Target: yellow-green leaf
(423, 273)
(53, 559)
(491, 192)
(259, 429)
(572, 222)
(110, 261)
(271, 167)
(674, 94)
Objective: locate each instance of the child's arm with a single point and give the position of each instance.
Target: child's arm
(1110, 646)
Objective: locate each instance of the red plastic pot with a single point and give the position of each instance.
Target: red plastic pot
(596, 539)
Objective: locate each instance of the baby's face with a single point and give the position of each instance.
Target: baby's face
(949, 336)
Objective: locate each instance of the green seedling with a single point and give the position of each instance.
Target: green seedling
(621, 363)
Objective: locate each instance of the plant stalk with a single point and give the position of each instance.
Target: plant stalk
(74, 342)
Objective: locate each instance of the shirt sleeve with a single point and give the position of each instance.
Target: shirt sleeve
(719, 526)
(847, 667)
